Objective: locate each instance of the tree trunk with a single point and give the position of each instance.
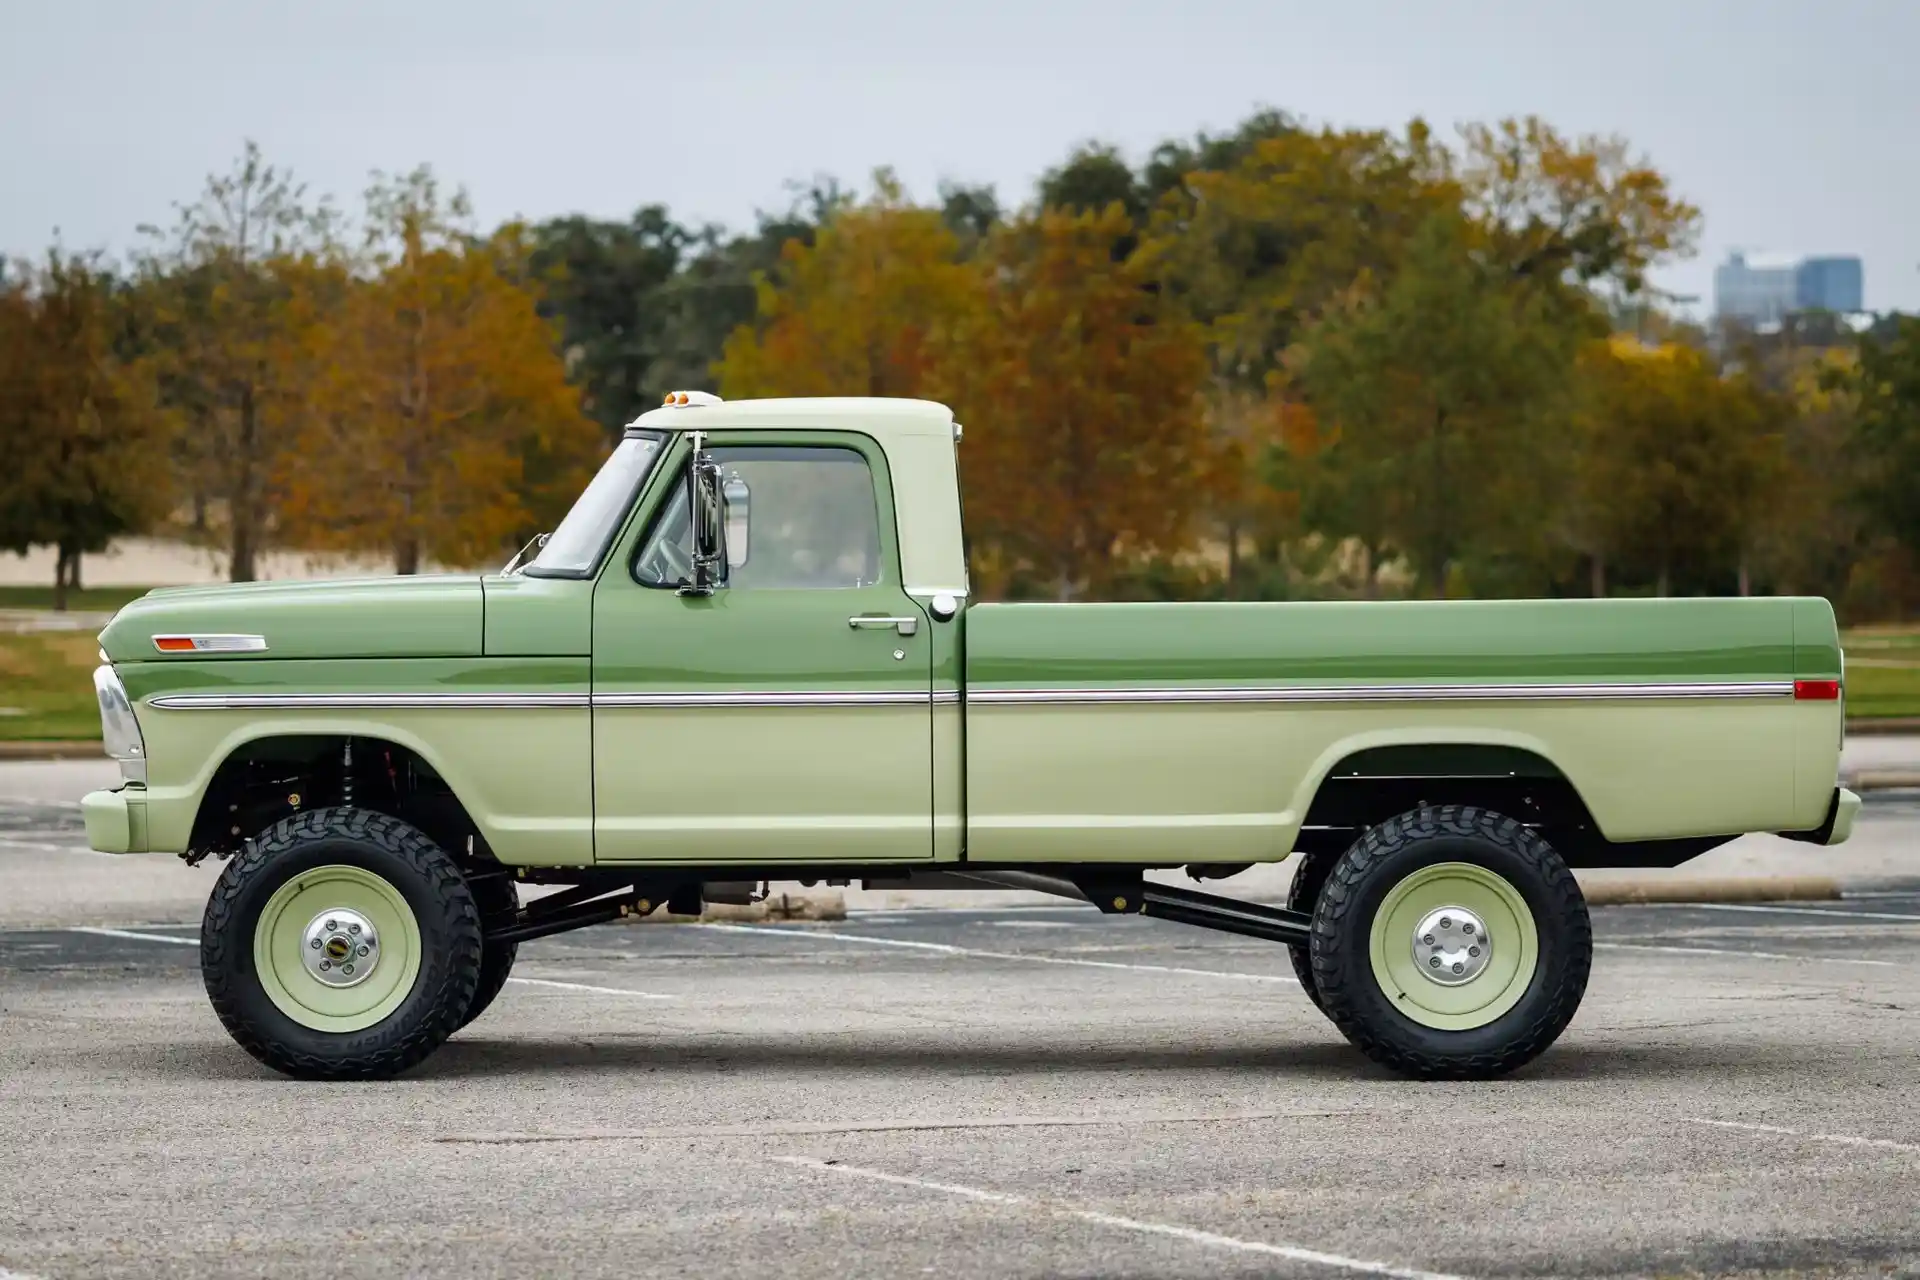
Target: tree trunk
(1233, 559)
(1599, 578)
(60, 579)
(1746, 578)
(1664, 586)
(406, 555)
(241, 515)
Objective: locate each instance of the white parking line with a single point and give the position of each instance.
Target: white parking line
(1796, 911)
(598, 991)
(137, 936)
(1844, 1139)
(945, 949)
(1208, 1239)
(133, 934)
(1744, 955)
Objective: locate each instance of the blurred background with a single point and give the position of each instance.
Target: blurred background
(1268, 301)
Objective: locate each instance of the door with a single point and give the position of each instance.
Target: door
(788, 715)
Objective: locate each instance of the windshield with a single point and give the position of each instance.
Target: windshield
(576, 546)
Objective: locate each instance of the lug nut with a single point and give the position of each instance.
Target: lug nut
(1466, 928)
(1446, 922)
(1472, 951)
(331, 926)
(315, 944)
(326, 964)
(354, 928)
(1458, 968)
(1435, 962)
(363, 949)
(1428, 939)
(348, 967)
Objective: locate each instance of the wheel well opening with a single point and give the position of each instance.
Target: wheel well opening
(268, 779)
(1370, 786)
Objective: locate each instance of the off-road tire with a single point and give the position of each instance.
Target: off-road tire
(1302, 895)
(443, 910)
(497, 900)
(1355, 888)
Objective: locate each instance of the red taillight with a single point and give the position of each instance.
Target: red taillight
(1816, 690)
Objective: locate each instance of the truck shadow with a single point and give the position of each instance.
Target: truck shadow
(852, 1054)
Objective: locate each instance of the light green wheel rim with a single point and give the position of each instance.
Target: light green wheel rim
(280, 933)
(1511, 963)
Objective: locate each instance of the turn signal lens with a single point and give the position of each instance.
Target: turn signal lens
(1816, 690)
(173, 644)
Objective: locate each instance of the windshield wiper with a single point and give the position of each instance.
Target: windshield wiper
(539, 540)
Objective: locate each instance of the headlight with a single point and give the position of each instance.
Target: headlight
(118, 729)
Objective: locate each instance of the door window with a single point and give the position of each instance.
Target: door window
(815, 524)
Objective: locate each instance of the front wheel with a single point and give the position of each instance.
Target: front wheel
(342, 945)
(1451, 943)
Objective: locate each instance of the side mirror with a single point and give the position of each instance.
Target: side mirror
(709, 535)
(736, 498)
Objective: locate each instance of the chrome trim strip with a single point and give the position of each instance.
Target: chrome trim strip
(363, 701)
(795, 698)
(1391, 693)
(525, 701)
(948, 697)
(215, 643)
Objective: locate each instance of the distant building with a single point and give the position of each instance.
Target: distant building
(1763, 291)
(1831, 284)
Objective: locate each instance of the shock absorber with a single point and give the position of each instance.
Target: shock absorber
(346, 774)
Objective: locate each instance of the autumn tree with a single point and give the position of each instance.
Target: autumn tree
(74, 409)
(1079, 380)
(856, 311)
(441, 383)
(225, 291)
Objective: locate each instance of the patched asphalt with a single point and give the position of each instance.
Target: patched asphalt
(1030, 1092)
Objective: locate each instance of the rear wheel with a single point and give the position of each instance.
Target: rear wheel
(1302, 895)
(342, 945)
(1451, 943)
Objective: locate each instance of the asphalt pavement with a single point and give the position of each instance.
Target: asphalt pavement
(1012, 1092)
(984, 1093)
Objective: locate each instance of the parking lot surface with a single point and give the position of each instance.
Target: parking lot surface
(1022, 1092)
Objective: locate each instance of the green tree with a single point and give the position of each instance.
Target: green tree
(222, 292)
(79, 423)
(1887, 386)
(1433, 388)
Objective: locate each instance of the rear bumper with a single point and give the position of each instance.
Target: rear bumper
(115, 821)
(1841, 812)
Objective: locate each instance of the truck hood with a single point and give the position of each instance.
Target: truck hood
(413, 617)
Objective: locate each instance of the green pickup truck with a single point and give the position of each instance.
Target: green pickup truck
(747, 654)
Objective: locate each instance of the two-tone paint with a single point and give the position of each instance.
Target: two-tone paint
(603, 720)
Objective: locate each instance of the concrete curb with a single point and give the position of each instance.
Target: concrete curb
(1884, 780)
(778, 906)
(80, 750)
(1605, 893)
(1884, 724)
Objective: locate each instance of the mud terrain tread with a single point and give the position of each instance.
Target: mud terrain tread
(398, 1042)
(1302, 893)
(1566, 950)
(496, 898)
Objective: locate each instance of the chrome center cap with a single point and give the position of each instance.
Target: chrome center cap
(1451, 946)
(340, 947)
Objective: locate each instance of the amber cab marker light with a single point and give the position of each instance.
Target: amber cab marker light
(173, 644)
(1816, 690)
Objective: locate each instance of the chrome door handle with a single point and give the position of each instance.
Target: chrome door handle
(905, 626)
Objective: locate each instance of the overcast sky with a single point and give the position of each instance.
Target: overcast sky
(1793, 124)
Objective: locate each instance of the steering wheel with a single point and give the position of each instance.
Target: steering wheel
(669, 563)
